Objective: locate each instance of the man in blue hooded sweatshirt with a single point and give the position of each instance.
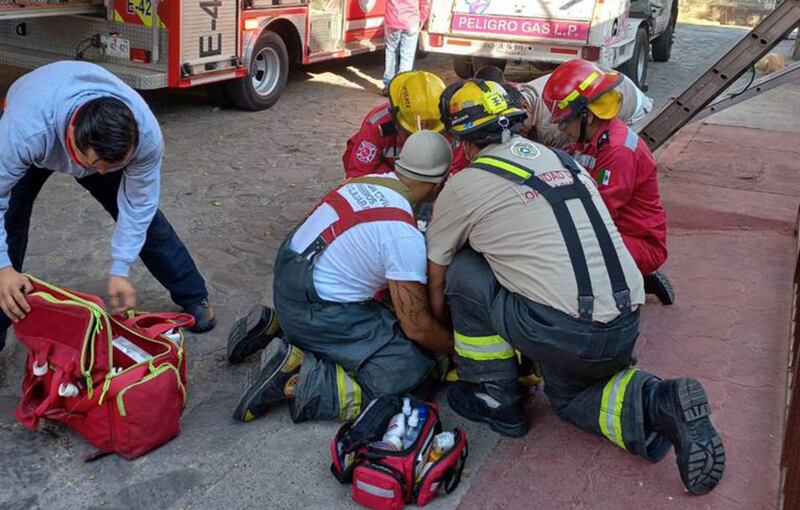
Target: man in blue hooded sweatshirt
(78, 119)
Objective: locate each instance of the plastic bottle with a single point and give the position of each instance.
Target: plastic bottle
(395, 431)
(414, 427)
(174, 336)
(442, 443)
(407, 407)
(68, 390)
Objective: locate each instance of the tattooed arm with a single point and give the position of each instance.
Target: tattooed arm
(414, 314)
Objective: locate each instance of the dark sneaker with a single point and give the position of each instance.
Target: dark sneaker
(252, 333)
(682, 414)
(658, 284)
(498, 404)
(203, 314)
(273, 382)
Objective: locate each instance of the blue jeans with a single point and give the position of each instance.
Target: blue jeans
(401, 47)
(163, 253)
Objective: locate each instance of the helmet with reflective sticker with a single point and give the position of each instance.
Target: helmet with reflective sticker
(579, 85)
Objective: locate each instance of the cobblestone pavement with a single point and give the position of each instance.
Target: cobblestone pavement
(233, 184)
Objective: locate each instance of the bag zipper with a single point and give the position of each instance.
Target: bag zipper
(154, 372)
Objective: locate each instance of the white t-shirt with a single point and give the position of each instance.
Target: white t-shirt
(360, 262)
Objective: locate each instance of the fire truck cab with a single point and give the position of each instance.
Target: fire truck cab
(245, 46)
(613, 33)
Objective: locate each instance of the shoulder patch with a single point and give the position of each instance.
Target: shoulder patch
(631, 139)
(524, 149)
(366, 152)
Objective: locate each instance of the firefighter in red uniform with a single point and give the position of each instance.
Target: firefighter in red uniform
(413, 105)
(585, 104)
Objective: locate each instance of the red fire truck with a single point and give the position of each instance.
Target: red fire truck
(245, 45)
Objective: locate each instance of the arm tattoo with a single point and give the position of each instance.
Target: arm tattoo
(412, 302)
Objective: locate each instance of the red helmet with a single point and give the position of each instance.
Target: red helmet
(574, 85)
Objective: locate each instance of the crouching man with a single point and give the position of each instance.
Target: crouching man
(339, 346)
(528, 258)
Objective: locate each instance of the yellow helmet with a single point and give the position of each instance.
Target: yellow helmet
(415, 98)
(470, 105)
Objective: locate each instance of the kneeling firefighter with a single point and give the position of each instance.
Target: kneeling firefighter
(525, 253)
(340, 347)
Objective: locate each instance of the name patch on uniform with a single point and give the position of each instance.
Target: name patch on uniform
(366, 152)
(525, 150)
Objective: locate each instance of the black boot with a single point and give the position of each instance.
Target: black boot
(497, 403)
(658, 284)
(252, 333)
(678, 408)
(274, 382)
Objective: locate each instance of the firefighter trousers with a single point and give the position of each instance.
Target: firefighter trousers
(586, 365)
(353, 351)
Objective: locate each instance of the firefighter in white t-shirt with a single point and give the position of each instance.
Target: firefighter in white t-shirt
(339, 346)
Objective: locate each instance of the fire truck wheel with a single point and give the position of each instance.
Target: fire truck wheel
(266, 79)
(462, 67)
(636, 67)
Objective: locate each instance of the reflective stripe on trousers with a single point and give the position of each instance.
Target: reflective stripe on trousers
(349, 395)
(611, 406)
(483, 348)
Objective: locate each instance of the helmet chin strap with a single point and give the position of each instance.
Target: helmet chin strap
(584, 122)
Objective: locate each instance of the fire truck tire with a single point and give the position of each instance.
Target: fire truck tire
(662, 45)
(462, 67)
(636, 67)
(478, 62)
(266, 78)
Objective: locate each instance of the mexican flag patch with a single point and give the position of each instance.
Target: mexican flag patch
(604, 177)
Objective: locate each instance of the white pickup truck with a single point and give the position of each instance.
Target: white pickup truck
(616, 34)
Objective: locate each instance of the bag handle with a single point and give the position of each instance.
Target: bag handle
(156, 324)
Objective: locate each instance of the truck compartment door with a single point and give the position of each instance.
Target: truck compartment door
(209, 36)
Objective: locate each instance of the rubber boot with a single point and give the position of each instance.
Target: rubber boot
(678, 409)
(273, 382)
(497, 403)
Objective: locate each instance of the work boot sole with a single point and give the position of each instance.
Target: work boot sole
(250, 333)
(658, 284)
(506, 429)
(252, 401)
(701, 460)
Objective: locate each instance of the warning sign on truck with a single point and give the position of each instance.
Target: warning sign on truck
(520, 27)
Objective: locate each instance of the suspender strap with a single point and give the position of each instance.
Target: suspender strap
(348, 218)
(622, 294)
(557, 197)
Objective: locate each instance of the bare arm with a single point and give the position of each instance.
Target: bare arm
(436, 275)
(414, 314)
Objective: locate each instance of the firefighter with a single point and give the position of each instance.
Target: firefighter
(585, 103)
(523, 250)
(413, 105)
(538, 126)
(78, 119)
(341, 347)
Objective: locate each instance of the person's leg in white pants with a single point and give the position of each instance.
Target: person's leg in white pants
(408, 49)
(392, 39)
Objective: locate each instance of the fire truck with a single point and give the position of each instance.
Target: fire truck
(614, 33)
(243, 47)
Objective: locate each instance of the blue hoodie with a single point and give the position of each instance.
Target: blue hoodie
(39, 106)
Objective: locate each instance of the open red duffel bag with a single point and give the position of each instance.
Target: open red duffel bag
(386, 478)
(118, 381)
